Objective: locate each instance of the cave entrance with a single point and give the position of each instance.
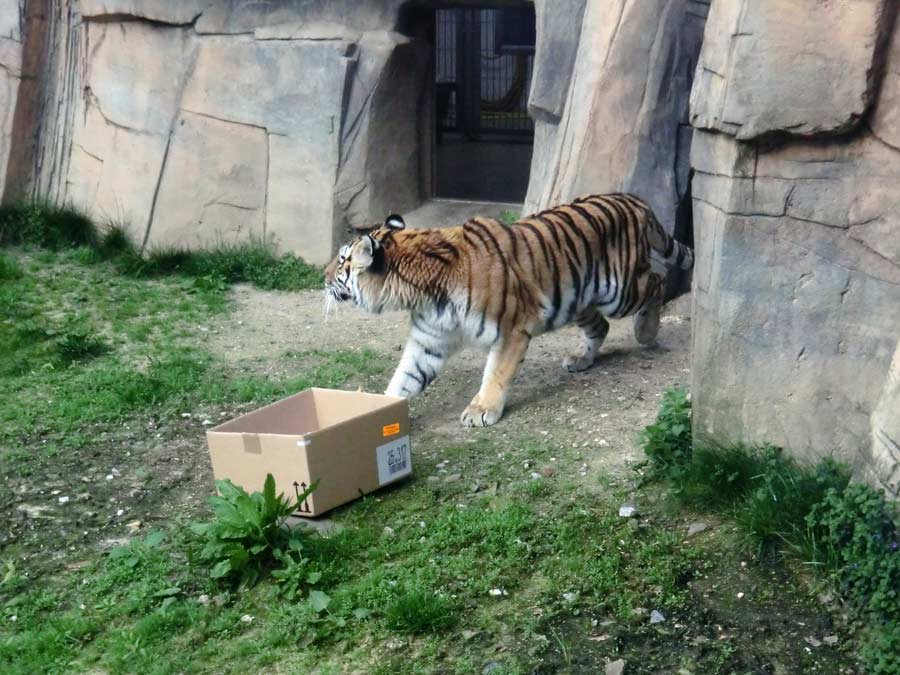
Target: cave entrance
(483, 136)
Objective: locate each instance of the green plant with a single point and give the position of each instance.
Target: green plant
(63, 227)
(248, 532)
(45, 225)
(419, 611)
(252, 262)
(509, 217)
(294, 571)
(115, 242)
(773, 512)
(667, 442)
(79, 343)
(716, 477)
(881, 649)
(9, 268)
(858, 539)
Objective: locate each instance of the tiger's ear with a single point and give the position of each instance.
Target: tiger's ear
(364, 252)
(394, 222)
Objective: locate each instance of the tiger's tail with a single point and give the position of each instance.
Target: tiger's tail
(673, 253)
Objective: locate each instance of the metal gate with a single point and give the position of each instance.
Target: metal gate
(484, 61)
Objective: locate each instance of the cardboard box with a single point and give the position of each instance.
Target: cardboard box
(351, 442)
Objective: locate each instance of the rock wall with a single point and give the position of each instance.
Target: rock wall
(797, 279)
(199, 120)
(621, 124)
(11, 29)
(192, 122)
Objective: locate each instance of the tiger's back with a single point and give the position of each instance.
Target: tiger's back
(541, 272)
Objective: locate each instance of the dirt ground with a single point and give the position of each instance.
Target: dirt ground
(605, 406)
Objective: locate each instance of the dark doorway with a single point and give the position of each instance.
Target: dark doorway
(484, 136)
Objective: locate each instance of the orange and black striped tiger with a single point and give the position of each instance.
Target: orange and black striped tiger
(493, 285)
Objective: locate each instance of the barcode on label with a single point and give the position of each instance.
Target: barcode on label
(393, 460)
(396, 464)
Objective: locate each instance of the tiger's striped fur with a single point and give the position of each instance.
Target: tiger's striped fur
(496, 286)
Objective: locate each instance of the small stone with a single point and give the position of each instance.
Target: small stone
(324, 526)
(452, 478)
(497, 592)
(830, 640)
(247, 618)
(490, 667)
(546, 472)
(220, 600)
(656, 617)
(120, 512)
(469, 634)
(64, 500)
(627, 510)
(740, 595)
(134, 525)
(810, 640)
(696, 528)
(570, 597)
(388, 531)
(615, 667)
(203, 599)
(825, 598)
(535, 475)
(109, 476)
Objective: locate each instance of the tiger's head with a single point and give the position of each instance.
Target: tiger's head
(358, 272)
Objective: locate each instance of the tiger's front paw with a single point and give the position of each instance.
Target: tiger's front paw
(575, 363)
(480, 416)
(584, 356)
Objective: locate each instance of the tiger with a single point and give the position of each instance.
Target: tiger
(495, 286)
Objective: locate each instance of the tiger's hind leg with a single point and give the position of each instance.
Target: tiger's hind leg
(646, 319)
(595, 328)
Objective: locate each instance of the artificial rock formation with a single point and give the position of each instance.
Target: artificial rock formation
(621, 125)
(796, 219)
(199, 120)
(193, 122)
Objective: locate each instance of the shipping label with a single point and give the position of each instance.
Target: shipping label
(394, 460)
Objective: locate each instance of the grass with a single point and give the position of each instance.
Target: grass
(847, 531)
(135, 345)
(137, 608)
(58, 228)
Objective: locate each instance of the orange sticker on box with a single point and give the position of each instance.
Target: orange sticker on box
(390, 429)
